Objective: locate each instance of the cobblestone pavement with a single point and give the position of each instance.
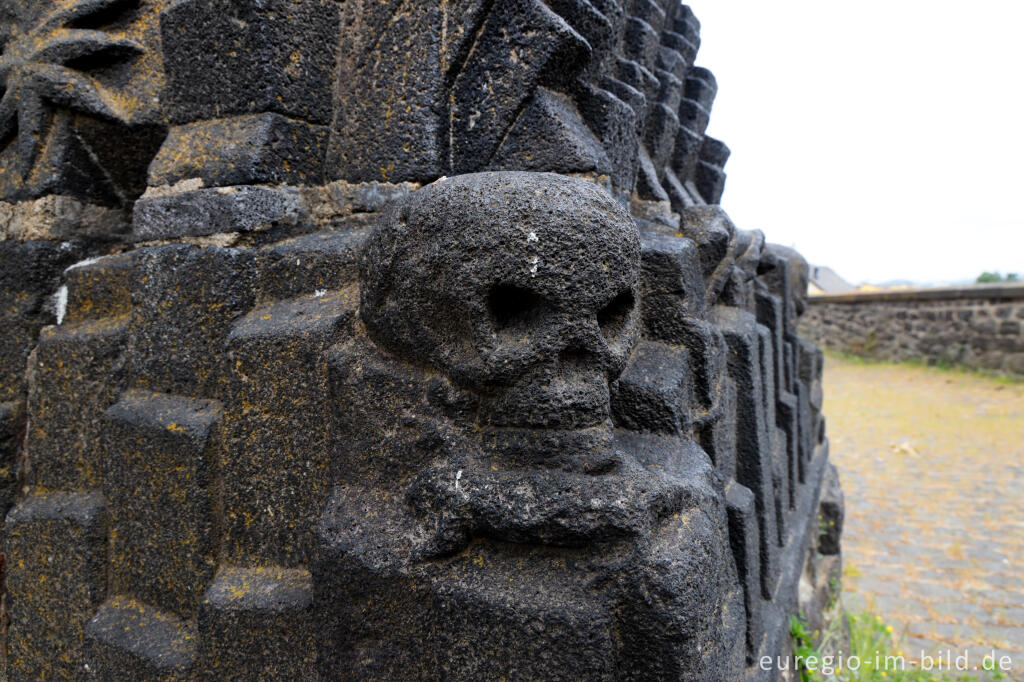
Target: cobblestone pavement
(932, 466)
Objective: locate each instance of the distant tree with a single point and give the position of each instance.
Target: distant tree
(992, 277)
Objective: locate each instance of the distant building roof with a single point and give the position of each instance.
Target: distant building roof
(824, 280)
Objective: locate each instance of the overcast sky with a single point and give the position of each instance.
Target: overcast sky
(884, 139)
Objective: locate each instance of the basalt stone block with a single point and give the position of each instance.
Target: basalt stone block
(710, 178)
(487, 95)
(179, 330)
(682, 45)
(242, 150)
(686, 151)
(599, 23)
(99, 288)
(56, 577)
(73, 377)
(629, 95)
(679, 194)
(770, 314)
(217, 210)
(611, 112)
(781, 482)
(321, 261)
(30, 274)
(651, 12)
(715, 235)
(831, 512)
(276, 460)
(549, 135)
(808, 431)
(640, 78)
(391, 100)
(670, 93)
(127, 639)
(12, 429)
(648, 186)
(161, 453)
(744, 541)
(660, 134)
(652, 394)
(701, 89)
(640, 42)
(259, 623)
(754, 450)
(673, 287)
(75, 158)
(249, 56)
(673, 62)
(788, 419)
(718, 437)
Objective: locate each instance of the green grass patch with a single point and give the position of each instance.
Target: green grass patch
(872, 654)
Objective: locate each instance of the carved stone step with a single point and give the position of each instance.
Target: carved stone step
(56, 577)
(310, 263)
(73, 377)
(158, 474)
(127, 639)
(747, 361)
(184, 304)
(12, 424)
(99, 288)
(30, 273)
(257, 623)
(653, 393)
(275, 463)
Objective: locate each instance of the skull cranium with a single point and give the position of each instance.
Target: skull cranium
(520, 287)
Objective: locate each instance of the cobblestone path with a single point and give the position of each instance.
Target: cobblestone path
(932, 466)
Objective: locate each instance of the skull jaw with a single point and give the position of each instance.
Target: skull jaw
(569, 400)
(587, 450)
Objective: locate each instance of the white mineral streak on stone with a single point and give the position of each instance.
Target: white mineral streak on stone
(534, 264)
(532, 237)
(60, 302)
(83, 263)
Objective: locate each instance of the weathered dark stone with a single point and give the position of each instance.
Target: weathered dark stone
(216, 210)
(249, 56)
(59, 542)
(250, 149)
(257, 623)
(309, 408)
(160, 450)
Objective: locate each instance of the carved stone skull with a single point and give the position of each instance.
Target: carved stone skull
(519, 287)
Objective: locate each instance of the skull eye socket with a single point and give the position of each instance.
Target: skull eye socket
(513, 306)
(612, 317)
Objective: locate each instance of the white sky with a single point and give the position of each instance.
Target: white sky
(883, 139)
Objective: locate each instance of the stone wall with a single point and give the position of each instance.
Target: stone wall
(978, 327)
(377, 340)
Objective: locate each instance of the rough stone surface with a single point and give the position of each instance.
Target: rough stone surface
(215, 210)
(278, 399)
(978, 327)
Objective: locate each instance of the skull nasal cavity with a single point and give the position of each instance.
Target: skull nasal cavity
(612, 317)
(513, 306)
